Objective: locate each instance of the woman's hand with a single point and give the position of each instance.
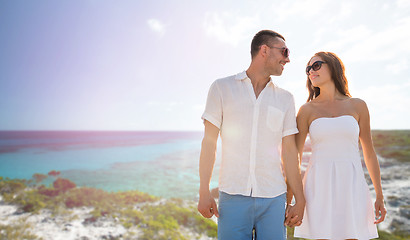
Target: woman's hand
(294, 215)
(380, 210)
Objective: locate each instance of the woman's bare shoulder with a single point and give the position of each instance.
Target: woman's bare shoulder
(306, 109)
(358, 103)
(360, 107)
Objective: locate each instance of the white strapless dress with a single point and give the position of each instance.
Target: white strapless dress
(338, 202)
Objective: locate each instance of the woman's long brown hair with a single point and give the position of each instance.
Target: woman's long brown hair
(337, 70)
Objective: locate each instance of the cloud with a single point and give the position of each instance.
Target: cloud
(228, 27)
(348, 37)
(403, 3)
(398, 67)
(156, 26)
(396, 95)
(200, 107)
(381, 45)
(345, 11)
(301, 9)
(387, 105)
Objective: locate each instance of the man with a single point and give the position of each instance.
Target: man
(254, 118)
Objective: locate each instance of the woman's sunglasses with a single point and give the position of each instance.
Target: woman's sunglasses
(285, 51)
(315, 66)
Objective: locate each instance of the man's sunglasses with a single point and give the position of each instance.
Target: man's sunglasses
(285, 51)
(315, 66)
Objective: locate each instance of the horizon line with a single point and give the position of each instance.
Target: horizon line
(133, 130)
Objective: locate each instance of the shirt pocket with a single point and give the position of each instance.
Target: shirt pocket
(274, 119)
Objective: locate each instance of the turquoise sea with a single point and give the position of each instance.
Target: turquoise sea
(163, 164)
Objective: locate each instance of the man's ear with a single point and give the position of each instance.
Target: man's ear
(263, 50)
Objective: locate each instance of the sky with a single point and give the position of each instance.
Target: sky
(148, 65)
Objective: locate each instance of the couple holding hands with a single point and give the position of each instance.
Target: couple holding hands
(262, 146)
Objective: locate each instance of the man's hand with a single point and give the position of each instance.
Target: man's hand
(294, 214)
(207, 205)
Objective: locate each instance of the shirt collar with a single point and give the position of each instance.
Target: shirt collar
(242, 76)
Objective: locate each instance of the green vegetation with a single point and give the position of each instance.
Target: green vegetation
(290, 232)
(392, 144)
(17, 231)
(176, 215)
(383, 235)
(388, 236)
(157, 218)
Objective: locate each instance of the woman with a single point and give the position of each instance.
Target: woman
(338, 202)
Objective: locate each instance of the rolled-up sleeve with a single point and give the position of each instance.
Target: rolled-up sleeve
(213, 108)
(289, 123)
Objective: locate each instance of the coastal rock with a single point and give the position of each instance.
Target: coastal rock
(404, 212)
(89, 220)
(110, 237)
(398, 225)
(396, 190)
(394, 201)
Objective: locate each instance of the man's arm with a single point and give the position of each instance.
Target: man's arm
(292, 172)
(207, 205)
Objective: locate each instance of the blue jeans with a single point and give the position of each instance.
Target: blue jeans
(240, 215)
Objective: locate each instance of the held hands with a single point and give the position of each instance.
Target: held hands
(380, 210)
(207, 205)
(294, 214)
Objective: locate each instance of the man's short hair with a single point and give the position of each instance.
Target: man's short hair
(261, 38)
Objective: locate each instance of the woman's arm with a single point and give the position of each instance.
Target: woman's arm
(303, 127)
(302, 120)
(370, 158)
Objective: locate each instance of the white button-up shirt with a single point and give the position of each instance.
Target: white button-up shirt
(251, 131)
